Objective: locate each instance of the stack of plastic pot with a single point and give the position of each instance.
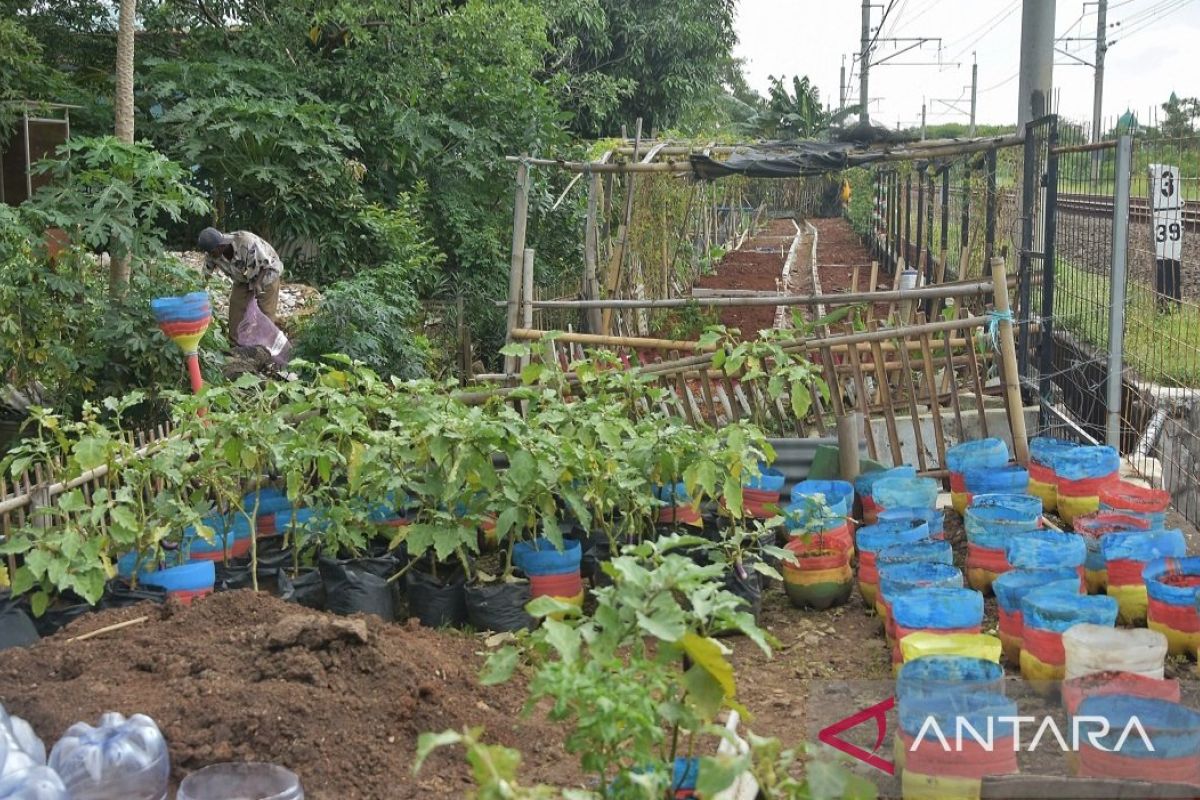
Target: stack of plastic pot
(552, 572)
(1046, 614)
(821, 576)
(1093, 527)
(1134, 500)
(934, 677)
(933, 771)
(865, 486)
(1011, 588)
(990, 521)
(871, 539)
(1049, 550)
(677, 507)
(1146, 739)
(902, 577)
(1125, 558)
(1081, 473)
(822, 509)
(1171, 592)
(925, 552)
(977, 457)
(933, 517)
(942, 611)
(1042, 482)
(760, 493)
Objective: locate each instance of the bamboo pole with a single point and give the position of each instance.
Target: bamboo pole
(1009, 377)
(526, 296)
(520, 218)
(848, 427)
(966, 289)
(591, 284)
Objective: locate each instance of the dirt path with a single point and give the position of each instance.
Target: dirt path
(839, 249)
(758, 266)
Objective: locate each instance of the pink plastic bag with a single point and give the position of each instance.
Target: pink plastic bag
(257, 330)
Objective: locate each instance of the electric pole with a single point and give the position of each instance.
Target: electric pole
(974, 91)
(842, 86)
(1037, 60)
(922, 120)
(1098, 86)
(864, 65)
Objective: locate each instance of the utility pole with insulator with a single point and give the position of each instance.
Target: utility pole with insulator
(842, 86)
(1098, 78)
(864, 64)
(922, 120)
(974, 91)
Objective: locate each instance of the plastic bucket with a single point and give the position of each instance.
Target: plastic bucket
(1171, 589)
(905, 493)
(1170, 751)
(838, 495)
(976, 645)
(925, 753)
(1042, 482)
(1126, 556)
(1081, 473)
(1149, 504)
(864, 485)
(933, 517)
(981, 454)
(1011, 588)
(1101, 648)
(1099, 684)
(541, 558)
(935, 610)
(1046, 550)
(942, 675)
(820, 579)
(1094, 526)
(896, 577)
(185, 582)
(870, 539)
(1046, 614)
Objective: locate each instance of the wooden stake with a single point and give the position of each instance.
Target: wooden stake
(1010, 378)
(520, 218)
(848, 428)
(129, 623)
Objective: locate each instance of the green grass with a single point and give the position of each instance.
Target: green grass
(1161, 347)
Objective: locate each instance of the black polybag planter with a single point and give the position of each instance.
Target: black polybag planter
(349, 590)
(306, 589)
(235, 573)
(119, 594)
(746, 583)
(16, 628)
(437, 602)
(56, 618)
(498, 606)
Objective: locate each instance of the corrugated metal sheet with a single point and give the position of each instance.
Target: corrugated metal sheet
(794, 457)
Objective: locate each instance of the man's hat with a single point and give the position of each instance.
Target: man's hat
(211, 238)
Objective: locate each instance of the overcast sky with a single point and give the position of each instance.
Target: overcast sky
(1157, 50)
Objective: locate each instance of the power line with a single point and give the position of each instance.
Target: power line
(1007, 80)
(987, 27)
(1125, 34)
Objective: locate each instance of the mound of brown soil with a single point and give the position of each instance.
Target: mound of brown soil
(242, 676)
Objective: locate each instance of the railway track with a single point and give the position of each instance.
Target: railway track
(1099, 205)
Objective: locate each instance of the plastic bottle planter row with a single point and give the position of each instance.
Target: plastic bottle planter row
(1125, 558)
(864, 485)
(1092, 527)
(821, 577)
(873, 538)
(905, 492)
(1046, 550)
(931, 551)
(981, 454)
(899, 577)
(933, 517)
(1046, 615)
(975, 645)
(1011, 588)
(941, 676)
(1171, 592)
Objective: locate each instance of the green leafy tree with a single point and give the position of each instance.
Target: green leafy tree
(1178, 116)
